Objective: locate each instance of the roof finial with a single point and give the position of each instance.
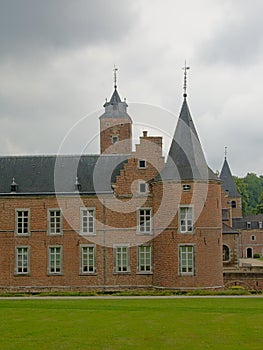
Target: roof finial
(115, 69)
(185, 68)
(225, 151)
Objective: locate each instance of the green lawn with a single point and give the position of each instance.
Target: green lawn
(209, 323)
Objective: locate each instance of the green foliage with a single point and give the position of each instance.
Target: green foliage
(251, 189)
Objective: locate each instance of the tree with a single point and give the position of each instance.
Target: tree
(243, 190)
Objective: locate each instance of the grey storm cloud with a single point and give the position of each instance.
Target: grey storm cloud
(30, 25)
(238, 39)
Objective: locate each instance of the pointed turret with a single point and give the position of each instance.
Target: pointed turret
(115, 125)
(186, 159)
(228, 182)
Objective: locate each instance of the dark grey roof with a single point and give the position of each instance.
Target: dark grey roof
(52, 174)
(228, 182)
(228, 230)
(186, 159)
(241, 223)
(115, 108)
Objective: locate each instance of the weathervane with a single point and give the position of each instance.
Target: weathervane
(115, 69)
(185, 68)
(225, 151)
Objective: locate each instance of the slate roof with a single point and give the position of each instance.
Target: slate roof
(228, 182)
(186, 159)
(228, 230)
(53, 174)
(115, 108)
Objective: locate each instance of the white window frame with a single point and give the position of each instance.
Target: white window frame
(249, 226)
(50, 219)
(58, 267)
(121, 258)
(87, 259)
(186, 223)
(22, 260)
(139, 164)
(260, 225)
(253, 238)
(144, 225)
(186, 269)
(140, 183)
(23, 221)
(90, 218)
(144, 259)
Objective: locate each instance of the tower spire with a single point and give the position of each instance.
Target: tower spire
(115, 69)
(225, 152)
(185, 68)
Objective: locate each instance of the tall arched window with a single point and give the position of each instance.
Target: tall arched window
(249, 252)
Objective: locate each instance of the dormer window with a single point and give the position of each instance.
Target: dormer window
(248, 225)
(77, 185)
(260, 224)
(142, 164)
(13, 186)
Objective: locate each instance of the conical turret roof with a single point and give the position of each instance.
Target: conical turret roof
(228, 182)
(186, 159)
(115, 108)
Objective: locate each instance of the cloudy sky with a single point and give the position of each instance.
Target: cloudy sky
(56, 69)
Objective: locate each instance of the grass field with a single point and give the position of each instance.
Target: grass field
(112, 324)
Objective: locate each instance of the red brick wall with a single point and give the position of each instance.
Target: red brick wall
(207, 235)
(121, 127)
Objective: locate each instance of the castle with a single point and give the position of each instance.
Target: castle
(121, 219)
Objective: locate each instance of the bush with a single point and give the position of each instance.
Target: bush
(256, 256)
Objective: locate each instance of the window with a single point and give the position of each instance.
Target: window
(145, 220)
(141, 163)
(115, 139)
(186, 260)
(55, 222)
(22, 260)
(186, 219)
(249, 252)
(260, 224)
(54, 260)
(122, 259)
(87, 221)
(144, 258)
(226, 253)
(186, 187)
(88, 259)
(248, 225)
(143, 188)
(233, 204)
(22, 221)
(253, 237)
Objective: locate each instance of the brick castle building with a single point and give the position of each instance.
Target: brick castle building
(120, 219)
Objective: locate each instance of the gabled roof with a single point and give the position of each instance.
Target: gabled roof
(186, 159)
(53, 174)
(228, 182)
